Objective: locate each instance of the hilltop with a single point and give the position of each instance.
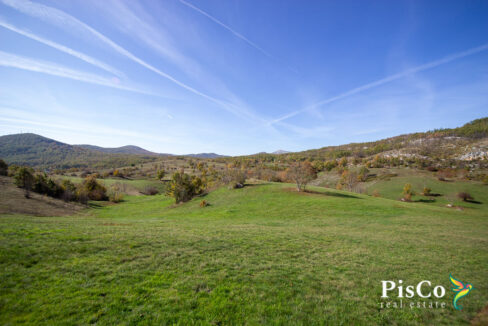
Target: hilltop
(41, 152)
(468, 142)
(128, 149)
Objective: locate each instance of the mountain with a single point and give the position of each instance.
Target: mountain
(129, 149)
(41, 152)
(280, 151)
(205, 155)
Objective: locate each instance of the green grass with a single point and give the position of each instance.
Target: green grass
(446, 191)
(259, 255)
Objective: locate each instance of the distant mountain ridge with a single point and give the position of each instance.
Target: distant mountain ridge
(205, 155)
(128, 149)
(41, 152)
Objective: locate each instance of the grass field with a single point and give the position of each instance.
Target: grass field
(263, 254)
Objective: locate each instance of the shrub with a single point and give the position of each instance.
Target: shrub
(47, 186)
(116, 197)
(93, 189)
(12, 170)
(115, 193)
(234, 177)
(24, 179)
(427, 191)
(485, 180)
(184, 187)
(69, 190)
(408, 192)
(363, 174)
(204, 203)
(160, 175)
(465, 196)
(3, 167)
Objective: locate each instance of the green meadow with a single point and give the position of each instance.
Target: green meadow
(263, 254)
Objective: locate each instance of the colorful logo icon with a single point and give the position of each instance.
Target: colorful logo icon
(461, 289)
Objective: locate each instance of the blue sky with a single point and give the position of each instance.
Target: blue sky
(240, 76)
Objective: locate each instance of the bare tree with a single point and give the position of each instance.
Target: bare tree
(301, 173)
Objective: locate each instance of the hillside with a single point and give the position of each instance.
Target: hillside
(468, 142)
(129, 149)
(205, 155)
(41, 152)
(12, 201)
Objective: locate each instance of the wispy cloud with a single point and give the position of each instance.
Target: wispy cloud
(20, 62)
(64, 20)
(385, 80)
(218, 22)
(63, 48)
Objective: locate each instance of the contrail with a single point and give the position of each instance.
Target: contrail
(237, 34)
(62, 19)
(19, 62)
(385, 80)
(63, 48)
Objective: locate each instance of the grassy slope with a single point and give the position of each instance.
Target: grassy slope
(12, 200)
(446, 190)
(262, 254)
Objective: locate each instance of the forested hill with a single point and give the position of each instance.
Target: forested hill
(41, 152)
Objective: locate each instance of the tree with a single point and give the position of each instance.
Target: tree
(160, 175)
(3, 167)
(234, 177)
(343, 162)
(92, 189)
(301, 173)
(24, 179)
(465, 196)
(184, 187)
(349, 180)
(363, 174)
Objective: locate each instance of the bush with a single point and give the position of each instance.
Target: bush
(47, 186)
(116, 197)
(204, 203)
(427, 191)
(234, 177)
(115, 193)
(465, 196)
(3, 167)
(93, 189)
(160, 174)
(363, 174)
(184, 187)
(408, 192)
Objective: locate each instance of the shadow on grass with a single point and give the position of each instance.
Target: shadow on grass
(473, 202)
(330, 193)
(257, 184)
(430, 200)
